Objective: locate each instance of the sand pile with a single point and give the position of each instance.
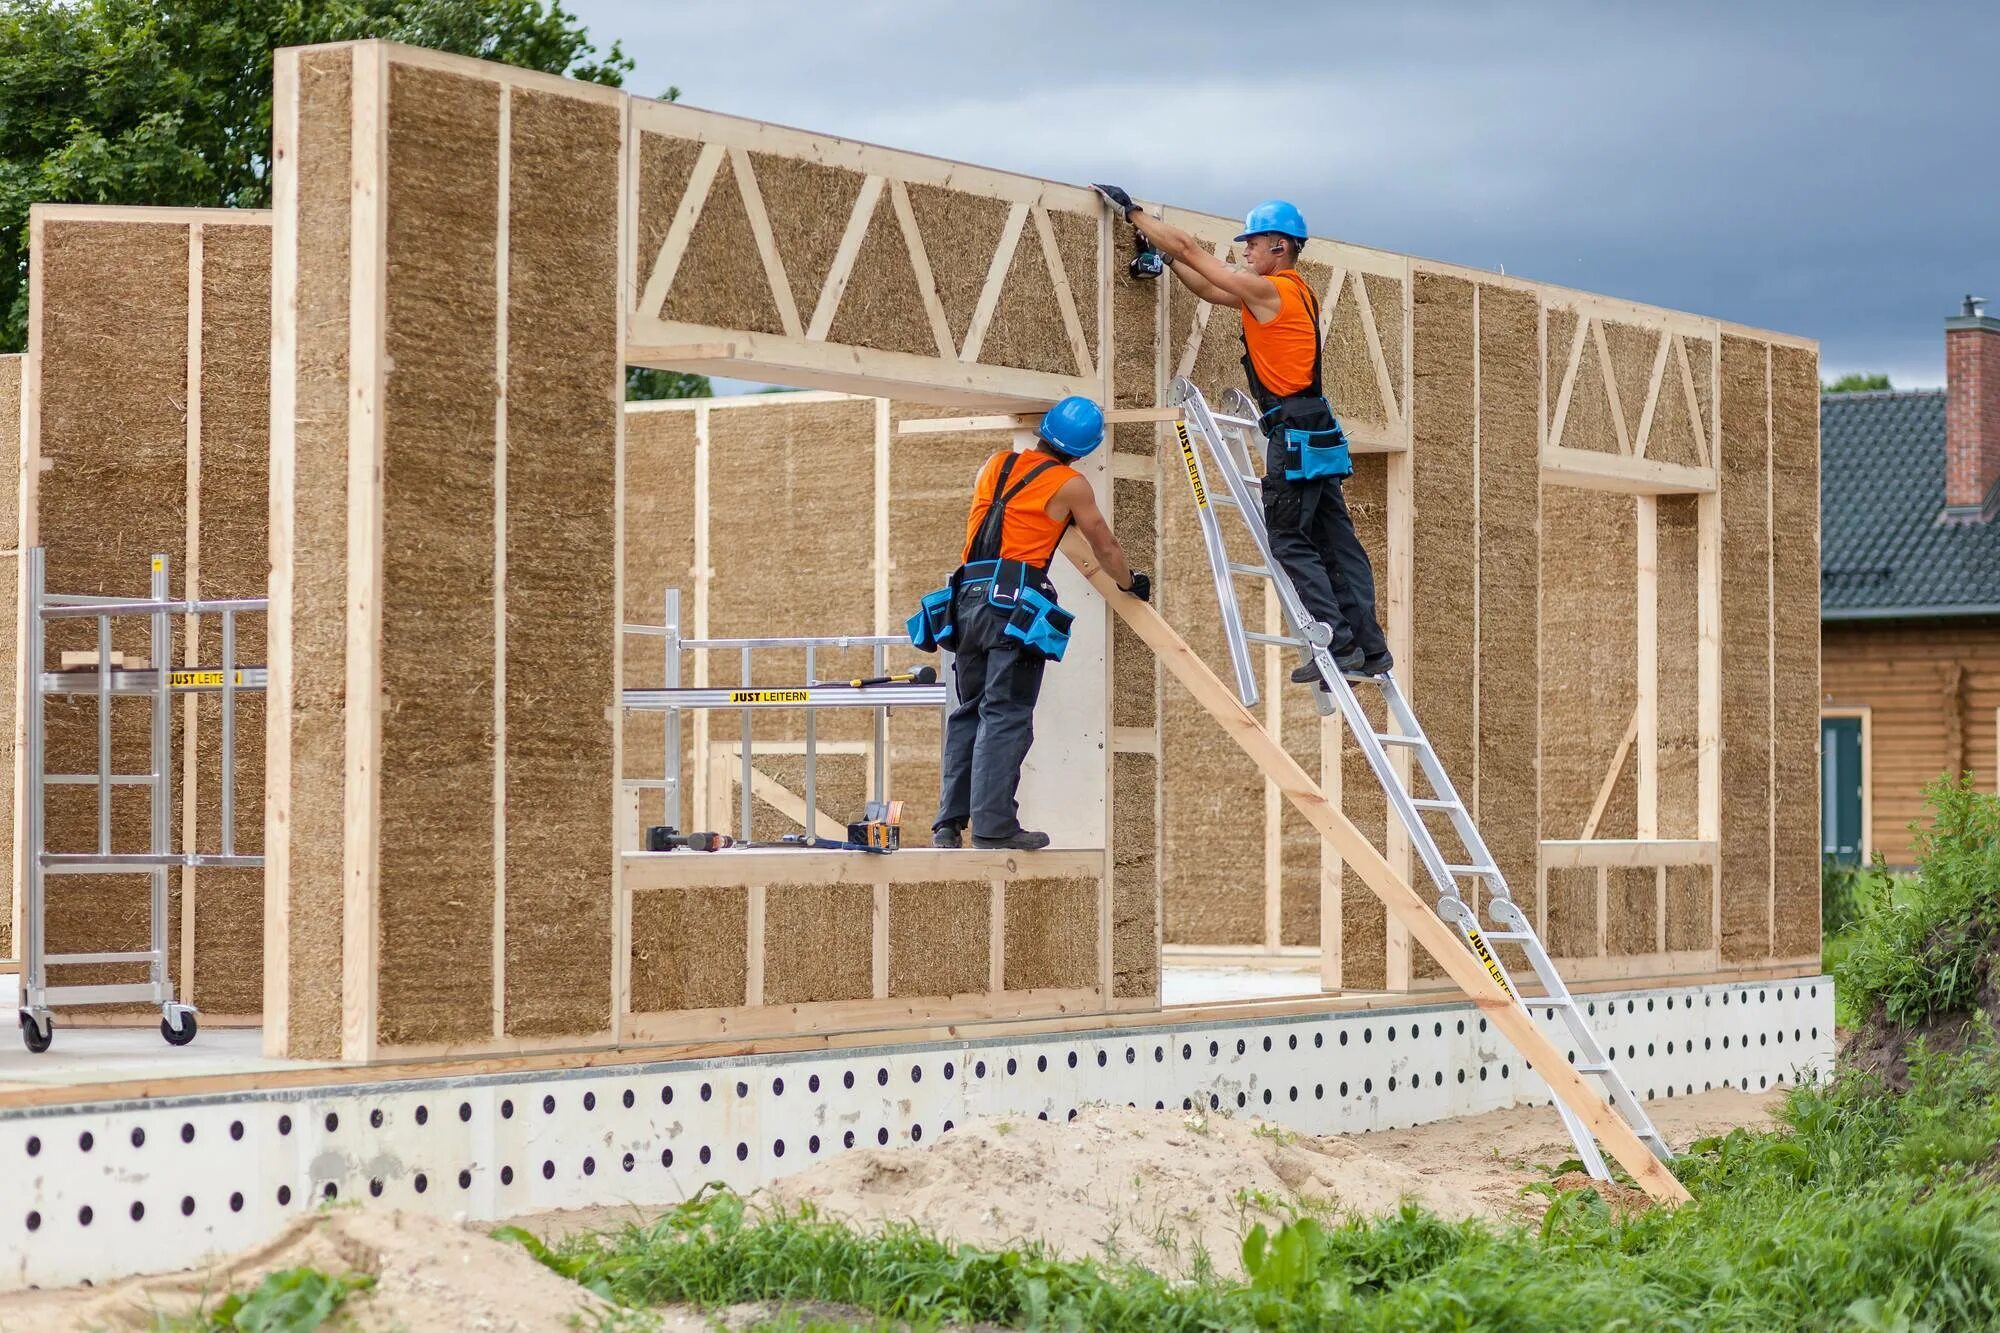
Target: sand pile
(429, 1274)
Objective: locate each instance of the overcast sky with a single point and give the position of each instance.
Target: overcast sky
(1830, 169)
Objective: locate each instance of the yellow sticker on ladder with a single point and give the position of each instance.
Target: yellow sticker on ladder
(1485, 955)
(1193, 469)
(768, 696)
(159, 563)
(194, 680)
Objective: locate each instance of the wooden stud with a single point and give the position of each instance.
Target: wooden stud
(1403, 902)
(844, 257)
(500, 267)
(1611, 388)
(920, 260)
(1579, 853)
(1701, 433)
(647, 872)
(996, 278)
(1568, 388)
(1773, 816)
(1642, 436)
(1629, 476)
(673, 246)
(767, 244)
(1646, 695)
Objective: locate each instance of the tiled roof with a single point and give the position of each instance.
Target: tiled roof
(1883, 552)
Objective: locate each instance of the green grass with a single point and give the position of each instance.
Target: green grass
(293, 1300)
(1869, 1211)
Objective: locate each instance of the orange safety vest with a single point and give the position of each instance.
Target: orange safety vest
(1027, 533)
(1283, 355)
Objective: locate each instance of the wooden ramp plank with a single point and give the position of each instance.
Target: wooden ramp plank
(1403, 902)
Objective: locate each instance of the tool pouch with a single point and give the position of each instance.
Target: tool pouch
(931, 627)
(1307, 440)
(1025, 598)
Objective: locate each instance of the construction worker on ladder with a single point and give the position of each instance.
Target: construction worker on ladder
(998, 615)
(1306, 457)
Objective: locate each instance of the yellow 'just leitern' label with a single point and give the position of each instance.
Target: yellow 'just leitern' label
(768, 696)
(192, 680)
(1194, 472)
(1485, 954)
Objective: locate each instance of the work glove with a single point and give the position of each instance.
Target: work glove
(1142, 587)
(1118, 199)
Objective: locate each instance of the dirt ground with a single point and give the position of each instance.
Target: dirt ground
(1172, 1190)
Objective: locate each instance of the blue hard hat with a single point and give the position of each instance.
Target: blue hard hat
(1073, 427)
(1279, 215)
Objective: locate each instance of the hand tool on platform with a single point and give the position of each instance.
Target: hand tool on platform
(923, 675)
(667, 838)
(823, 844)
(880, 826)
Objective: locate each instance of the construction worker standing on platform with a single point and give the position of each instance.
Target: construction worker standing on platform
(1306, 457)
(998, 615)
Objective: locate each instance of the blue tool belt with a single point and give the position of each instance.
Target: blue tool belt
(1306, 440)
(1018, 596)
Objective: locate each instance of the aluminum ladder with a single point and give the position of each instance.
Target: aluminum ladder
(1230, 439)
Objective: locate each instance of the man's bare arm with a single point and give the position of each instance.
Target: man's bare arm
(1218, 283)
(1080, 504)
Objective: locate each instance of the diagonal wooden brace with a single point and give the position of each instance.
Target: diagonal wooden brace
(1425, 926)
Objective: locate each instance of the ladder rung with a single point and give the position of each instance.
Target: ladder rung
(1235, 421)
(1397, 738)
(1220, 500)
(1507, 936)
(1472, 870)
(1281, 640)
(1250, 571)
(1429, 802)
(1594, 1069)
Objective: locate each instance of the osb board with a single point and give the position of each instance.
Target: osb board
(1134, 676)
(1570, 901)
(1027, 328)
(808, 204)
(1509, 563)
(791, 540)
(883, 304)
(564, 425)
(1795, 800)
(659, 554)
(436, 880)
(721, 281)
(689, 949)
(226, 907)
(1135, 896)
(1385, 299)
(817, 941)
(960, 232)
(1347, 369)
(1363, 918)
(316, 741)
(1051, 934)
(113, 491)
(666, 163)
(1746, 653)
(1444, 596)
(1690, 907)
(1589, 589)
(939, 932)
(1679, 646)
(1212, 849)
(1632, 910)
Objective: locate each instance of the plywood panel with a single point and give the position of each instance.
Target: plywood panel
(1746, 652)
(564, 427)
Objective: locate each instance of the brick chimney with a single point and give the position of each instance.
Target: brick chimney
(1972, 413)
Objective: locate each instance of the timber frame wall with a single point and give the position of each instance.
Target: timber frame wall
(442, 225)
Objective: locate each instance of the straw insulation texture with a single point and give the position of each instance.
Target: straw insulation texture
(721, 280)
(659, 554)
(10, 430)
(882, 305)
(961, 231)
(689, 949)
(1588, 422)
(808, 204)
(1385, 299)
(1569, 929)
(1632, 352)
(1027, 329)
(1509, 566)
(1051, 934)
(564, 429)
(1364, 921)
(113, 320)
(1135, 882)
(1632, 915)
(318, 614)
(225, 908)
(939, 937)
(1134, 675)
(665, 165)
(436, 881)
(1444, 594)
(1348, 369)
(1746, 651)
(1588, 656)
(1136, 309)
(817, 943)
(1690, 907)
(1795, 651)
(1672, 438)
(1679, 647)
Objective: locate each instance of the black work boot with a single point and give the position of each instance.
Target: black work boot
(1379, 664)
(948, 835)
(1021, 840)
(1348, 659)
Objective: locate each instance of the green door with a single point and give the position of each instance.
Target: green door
(1840, 789)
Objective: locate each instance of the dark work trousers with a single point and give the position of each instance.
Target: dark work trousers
(988, 733)
(1313, 537)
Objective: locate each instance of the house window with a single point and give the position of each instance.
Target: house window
(1843, 833)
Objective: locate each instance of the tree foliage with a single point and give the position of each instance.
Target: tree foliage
(168, 102)
(1857, 381)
